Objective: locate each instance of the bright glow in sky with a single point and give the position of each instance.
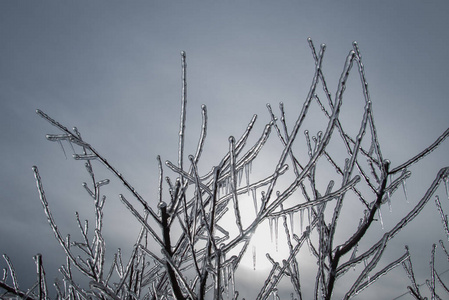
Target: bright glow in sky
(112, 68)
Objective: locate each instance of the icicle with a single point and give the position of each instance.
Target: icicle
(62, 147)
(224, 186)
(388, 199)
(253, 191)
(270, 223)
(405, 190)
(276, 232)
(226, 279)
(275, 294)
(309, 242)
(231, 278)
(390, 209)
(290, 215)
(380, 218)
(446, 184)
(254, 257)
(354, 253)
(247, 177)
(301, 219)
(368, 277)
(240, 176)
(309, 218)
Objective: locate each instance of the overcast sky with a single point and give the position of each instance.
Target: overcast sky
(113, 70)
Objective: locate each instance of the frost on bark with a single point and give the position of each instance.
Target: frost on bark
(200, 260)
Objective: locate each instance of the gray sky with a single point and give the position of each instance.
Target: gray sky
(113, 70)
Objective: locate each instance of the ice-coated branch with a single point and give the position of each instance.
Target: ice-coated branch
(95, 155)
(182, 123)
(55, 229)
(141, 220)
(41, 281)
(203, 134)
(403, 222)
(379, 274)
(234, 183)
(422, 154)
(444, 220)
(295, 130)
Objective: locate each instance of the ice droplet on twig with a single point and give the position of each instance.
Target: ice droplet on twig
(270, 223)
(301, 219)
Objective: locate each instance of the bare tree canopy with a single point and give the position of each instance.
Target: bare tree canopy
(333, 180)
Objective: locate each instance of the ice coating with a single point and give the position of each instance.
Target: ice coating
(191, 264)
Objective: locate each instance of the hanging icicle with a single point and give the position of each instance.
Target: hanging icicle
(380, 218)
(240, 176)
(290, 215)
(405, 190)
(270, 223)
(354, 253)
(301, 219)
(276, 233)
(365, 264)
(446, 184)
(388, 199)
(253, 191)
(247, 171)
(232, 277)
(254, 257)
(309, 217)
